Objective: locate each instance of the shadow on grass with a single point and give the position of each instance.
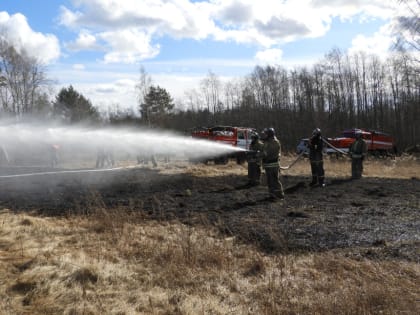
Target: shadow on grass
(306, 220)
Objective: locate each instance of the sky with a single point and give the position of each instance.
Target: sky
(98, 46)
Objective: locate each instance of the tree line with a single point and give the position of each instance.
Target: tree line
(342, 91)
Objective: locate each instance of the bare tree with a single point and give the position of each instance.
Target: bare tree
(142, 88)
(192, 100)
(210, 87)
(408, 27)
(23, 79)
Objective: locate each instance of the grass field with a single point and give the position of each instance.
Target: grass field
(118, 261)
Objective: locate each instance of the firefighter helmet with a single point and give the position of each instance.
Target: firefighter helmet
(358, 133)
(255, 136)
(316, 132)
(269, 132)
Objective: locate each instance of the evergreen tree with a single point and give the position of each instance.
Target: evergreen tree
(157, 103)
(73, 107)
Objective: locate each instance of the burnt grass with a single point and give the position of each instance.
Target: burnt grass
(375, 218)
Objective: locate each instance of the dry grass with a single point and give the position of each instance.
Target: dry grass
(400, 167)
(114, 262)
(404, 167)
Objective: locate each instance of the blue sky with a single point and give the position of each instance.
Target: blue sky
(98, 46)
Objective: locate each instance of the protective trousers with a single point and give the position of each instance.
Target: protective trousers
(254, 173)
(317, 169)
(356, 168)
(274, 185)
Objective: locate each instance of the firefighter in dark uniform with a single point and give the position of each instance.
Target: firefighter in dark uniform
(270, 158)
(254, 161)
(315, 157)
(358, 151)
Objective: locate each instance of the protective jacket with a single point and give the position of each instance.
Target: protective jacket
(315, 148)
(358, 149)
(271, 153)
(257, 148)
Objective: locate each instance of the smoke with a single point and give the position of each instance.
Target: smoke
(32, 143)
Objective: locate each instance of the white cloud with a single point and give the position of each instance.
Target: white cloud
(235, 12)
(128, 46)
(282, 28)
(362, 9)
(131, 29)
(378, 44)
(85, 41)
(271, 56)
(15, 29)
(78, 66)
(178, 18)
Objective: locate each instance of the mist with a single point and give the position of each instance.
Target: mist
(31, 143)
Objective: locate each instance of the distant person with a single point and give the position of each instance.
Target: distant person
(357, 151)
(109, 157)
(270, 158)
(144, 159)
(4, 157)
(104, 157)
(53, 152)
(153, 159)
(167, 158)
(316, 147)
(254, 160)
(100, 157)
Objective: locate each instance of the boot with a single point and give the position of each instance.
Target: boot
(313, 182)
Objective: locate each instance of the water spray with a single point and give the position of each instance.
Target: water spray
(24, 142)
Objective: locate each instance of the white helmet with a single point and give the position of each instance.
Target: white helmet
(316, 132)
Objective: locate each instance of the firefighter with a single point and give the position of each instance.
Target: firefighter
(109, 157)
(53, 155)
(315, 157)
(100, 157)
(254, 160)
(358, 151)
(270, 158)
(4, 157)
(144, 159)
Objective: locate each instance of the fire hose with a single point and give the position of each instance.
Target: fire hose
(254, 154)
(294, 162)
(333, 147)
(303, 152)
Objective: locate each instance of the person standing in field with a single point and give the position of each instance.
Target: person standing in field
(270, 158)
(357, 151)
(254, 161)
(316, 158)
(53, 152)
(4, 157)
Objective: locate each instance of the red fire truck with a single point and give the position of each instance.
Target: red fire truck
(379, 143)
(236, 136)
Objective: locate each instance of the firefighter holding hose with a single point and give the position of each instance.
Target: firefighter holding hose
(270, 158)
(358, 151)
(254, 160)
(316, 158)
